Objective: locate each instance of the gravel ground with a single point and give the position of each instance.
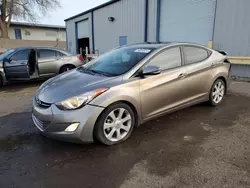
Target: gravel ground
(200, 146)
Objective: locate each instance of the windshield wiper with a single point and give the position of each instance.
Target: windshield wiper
(90, 71)
(81, 69)
(102, 73)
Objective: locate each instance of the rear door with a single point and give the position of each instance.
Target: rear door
(48, 61)
(165, 91)
(199, 70)
(16, 66)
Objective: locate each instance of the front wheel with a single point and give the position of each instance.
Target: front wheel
(217, 92)
(115, 124)
(1, 81)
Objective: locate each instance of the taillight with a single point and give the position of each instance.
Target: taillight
(80, 58)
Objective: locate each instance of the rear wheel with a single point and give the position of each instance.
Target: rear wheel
(217, 92)
(115, 124)
(66, 68)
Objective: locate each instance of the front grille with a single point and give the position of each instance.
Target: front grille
(42, 125)
(42, 104)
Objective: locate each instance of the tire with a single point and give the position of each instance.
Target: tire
(1, 81)
(66, 68)
(217, 92)
(109, 134)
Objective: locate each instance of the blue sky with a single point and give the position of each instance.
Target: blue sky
(69, 8)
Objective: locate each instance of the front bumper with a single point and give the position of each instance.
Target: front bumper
(52, 122)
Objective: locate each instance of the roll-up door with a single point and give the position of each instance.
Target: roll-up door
(83, 29)
(187, 20)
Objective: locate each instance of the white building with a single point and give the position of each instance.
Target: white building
(223, 23)
(42, 32)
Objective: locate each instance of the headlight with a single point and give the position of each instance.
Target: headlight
(81, 100)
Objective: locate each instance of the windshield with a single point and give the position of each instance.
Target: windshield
(118, 61)
(6, 53)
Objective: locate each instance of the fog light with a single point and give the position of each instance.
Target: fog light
(72, 127)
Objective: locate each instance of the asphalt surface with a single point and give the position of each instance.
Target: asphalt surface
(200, 146)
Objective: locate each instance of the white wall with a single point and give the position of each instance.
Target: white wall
(129, 21)
(187, 20)
(152, 19)
(46, 34)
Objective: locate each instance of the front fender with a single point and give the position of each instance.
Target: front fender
(128, 92)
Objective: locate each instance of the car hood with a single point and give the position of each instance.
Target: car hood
(71, 84)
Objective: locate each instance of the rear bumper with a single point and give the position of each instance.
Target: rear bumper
(52, 122)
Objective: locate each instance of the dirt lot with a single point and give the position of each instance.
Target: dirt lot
(197, 147)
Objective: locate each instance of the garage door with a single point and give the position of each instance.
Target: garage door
(187, 20)
(83, 29)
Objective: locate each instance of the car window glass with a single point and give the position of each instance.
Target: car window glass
(46, 54)
(119, 61)
(60, 54)
(194, 54)
(167, 59)
(20, 55)
(126, 57)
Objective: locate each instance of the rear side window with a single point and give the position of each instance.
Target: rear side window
(168, 59)
(20, 55)
(195, 55)
(60, 54)
(46, 54)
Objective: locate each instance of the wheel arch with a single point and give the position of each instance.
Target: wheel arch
(137, 118)
(133, 108)
(3, 78)
(68, 64)
(224, 80)
(131, 105)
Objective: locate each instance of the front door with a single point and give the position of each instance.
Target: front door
(16, 66)
(167, 90)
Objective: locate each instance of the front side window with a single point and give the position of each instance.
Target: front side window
(20, 55)
(195, 55)
(118, 61)
(46, 54)
(168, 59)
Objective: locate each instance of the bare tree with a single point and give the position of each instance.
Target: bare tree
(26, 10)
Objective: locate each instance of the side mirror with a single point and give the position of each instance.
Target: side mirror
(6, 59)
(151, 70)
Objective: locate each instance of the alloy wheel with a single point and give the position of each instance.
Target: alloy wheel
(218, 92)
(117, 124)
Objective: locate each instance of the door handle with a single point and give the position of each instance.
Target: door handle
(182, 75)
(213, 65)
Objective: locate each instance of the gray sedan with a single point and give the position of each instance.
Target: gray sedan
(29, 63)
(109, 96)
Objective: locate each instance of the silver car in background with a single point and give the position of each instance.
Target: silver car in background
(28, 63)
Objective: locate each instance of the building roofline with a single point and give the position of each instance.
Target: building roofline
(37, 25)
(93, 9)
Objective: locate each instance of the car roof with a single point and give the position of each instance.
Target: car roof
(162, 44)
(37, 47)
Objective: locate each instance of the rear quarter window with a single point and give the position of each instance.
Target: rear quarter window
(195, 54)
